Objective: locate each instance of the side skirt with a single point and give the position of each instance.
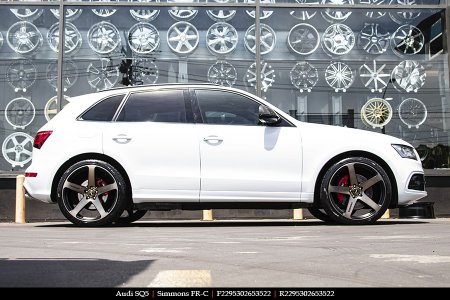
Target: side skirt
(164, 206)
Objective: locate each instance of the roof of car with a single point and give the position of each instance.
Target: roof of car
(139, 88)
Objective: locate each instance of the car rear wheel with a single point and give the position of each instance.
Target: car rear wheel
(92, 193)
(320, 214)
(355, 190)
(130, 215)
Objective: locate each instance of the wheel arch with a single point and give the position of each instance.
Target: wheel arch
(348, 154)
(86, 156)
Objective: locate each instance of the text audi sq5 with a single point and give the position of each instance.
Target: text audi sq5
(111, 156)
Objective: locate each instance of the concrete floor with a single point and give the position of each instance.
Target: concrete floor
(272, 253)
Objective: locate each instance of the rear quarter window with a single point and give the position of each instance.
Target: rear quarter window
(104, 110)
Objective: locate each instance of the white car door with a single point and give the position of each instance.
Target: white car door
(241, 160)
(154, 139)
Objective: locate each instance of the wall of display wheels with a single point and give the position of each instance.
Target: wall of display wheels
(379, 67)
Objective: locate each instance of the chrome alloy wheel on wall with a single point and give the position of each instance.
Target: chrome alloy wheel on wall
(304, 76)
(374, 76)
(103, 74)
(27, 14)
(336, 15)
(103, 38)
(374, 39)
(303, 39)
(183, 14)
(268, 39)
(412, 112)
(264, 14)
(17, 149)
(304, 15)
(71, 13)
(24, 38)
(72, 38)
(407, 40)
(21, 75)
(221, 15)
(222, 73)
(143, 38)
(339, 76)
(408, 75)
(144, 14)
(221, 38)
(104, 12)
(338, 39)
(374, 14)
(144, 71)
(182, 38)
(20, 112)
(405, 15)
(70, 74)
(267, 76)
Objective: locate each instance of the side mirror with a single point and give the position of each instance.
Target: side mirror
(268, 117)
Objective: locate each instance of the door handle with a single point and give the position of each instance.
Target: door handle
(213, 138)
(121, 139)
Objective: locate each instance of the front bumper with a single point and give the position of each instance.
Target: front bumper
(417, 182)
(413, 190)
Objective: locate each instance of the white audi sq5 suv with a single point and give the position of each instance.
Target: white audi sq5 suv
(111, 156)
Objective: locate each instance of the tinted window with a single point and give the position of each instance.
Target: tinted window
(218, 107)
(104, 110)
(155, 106)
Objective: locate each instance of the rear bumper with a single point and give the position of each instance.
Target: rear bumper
(29, 197)
(34, 191)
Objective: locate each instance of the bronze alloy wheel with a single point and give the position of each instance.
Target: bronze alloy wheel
(355, 190)
(92, 193)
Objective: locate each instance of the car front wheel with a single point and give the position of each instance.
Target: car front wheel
(92, 193)
(355, 190)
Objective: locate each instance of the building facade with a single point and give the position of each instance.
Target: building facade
(376, 65)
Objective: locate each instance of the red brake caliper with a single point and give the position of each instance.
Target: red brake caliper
(101, 182)
(343, 182)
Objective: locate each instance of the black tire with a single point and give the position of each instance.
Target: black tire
(355, 191)
(92, 193)
(130, 215)
(320, 214)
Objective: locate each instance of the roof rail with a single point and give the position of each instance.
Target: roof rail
(160, 84)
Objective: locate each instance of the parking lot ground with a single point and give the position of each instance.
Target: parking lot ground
(266, 253)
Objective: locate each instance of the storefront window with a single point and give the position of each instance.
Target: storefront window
(374, 67)
(162, 45)
(25, 53)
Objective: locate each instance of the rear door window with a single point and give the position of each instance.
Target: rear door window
(155, 106)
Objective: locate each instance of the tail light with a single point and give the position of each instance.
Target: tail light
(40, 138)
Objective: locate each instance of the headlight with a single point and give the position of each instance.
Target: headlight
(405, 151)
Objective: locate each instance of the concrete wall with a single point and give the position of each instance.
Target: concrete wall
(37, 211)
